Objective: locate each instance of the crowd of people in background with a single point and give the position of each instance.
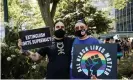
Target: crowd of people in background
(124, 46)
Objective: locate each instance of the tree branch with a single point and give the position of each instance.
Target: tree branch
(53, 10)
(45, 12)
(47, 7)
(41, 5)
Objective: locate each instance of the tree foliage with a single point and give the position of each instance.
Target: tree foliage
(120, 4)
(65, 6)
(73, 10)
(24, 13)
(14, 65)
(125, 68)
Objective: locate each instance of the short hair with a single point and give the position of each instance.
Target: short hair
(58, 21)
(116, 40)
(82, 21)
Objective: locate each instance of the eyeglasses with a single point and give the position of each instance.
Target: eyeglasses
(79, 28)
(59, 27)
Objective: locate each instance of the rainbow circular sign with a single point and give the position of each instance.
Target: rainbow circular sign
(96, 55)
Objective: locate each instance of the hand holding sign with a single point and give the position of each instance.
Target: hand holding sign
(93, 77)
(24, 52)
(20, 44)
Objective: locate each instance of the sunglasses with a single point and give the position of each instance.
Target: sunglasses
(59, 27)
(79, 27)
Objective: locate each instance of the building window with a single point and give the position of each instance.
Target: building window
(128, 17)
(132, 26)
(132, 8)
(121, 27)
(129, 27)
(132, 3)
(117, 27)
(125, 27)
(132, 16)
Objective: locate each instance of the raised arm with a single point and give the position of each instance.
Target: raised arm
(34, 56)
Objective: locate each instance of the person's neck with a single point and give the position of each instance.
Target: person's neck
(84, 37)
(58, 38)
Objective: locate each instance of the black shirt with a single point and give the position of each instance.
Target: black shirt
(59, 54)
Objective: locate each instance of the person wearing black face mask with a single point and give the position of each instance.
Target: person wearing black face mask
(59, 54)
(82, 38)
(59, 30)
(59, 33)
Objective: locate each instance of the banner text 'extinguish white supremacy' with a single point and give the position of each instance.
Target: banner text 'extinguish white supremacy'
(35, 39)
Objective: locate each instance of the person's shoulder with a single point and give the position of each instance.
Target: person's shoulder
(93, 38)
(96, 41)
(69, 38)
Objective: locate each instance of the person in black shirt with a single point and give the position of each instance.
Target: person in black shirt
(59, 54)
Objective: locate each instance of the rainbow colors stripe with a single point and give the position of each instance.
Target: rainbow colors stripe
(88, 55)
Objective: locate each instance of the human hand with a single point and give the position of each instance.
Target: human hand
(93, 64)
(93, 77)
(20, 44)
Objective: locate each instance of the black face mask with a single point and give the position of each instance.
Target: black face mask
(79, 33)
(59, 33)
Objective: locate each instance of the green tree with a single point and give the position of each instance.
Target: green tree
(73, 10)
(16, 66)
(125, 67)
(24, 13)
(120, 4)
(48, 9)
(13, 64)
